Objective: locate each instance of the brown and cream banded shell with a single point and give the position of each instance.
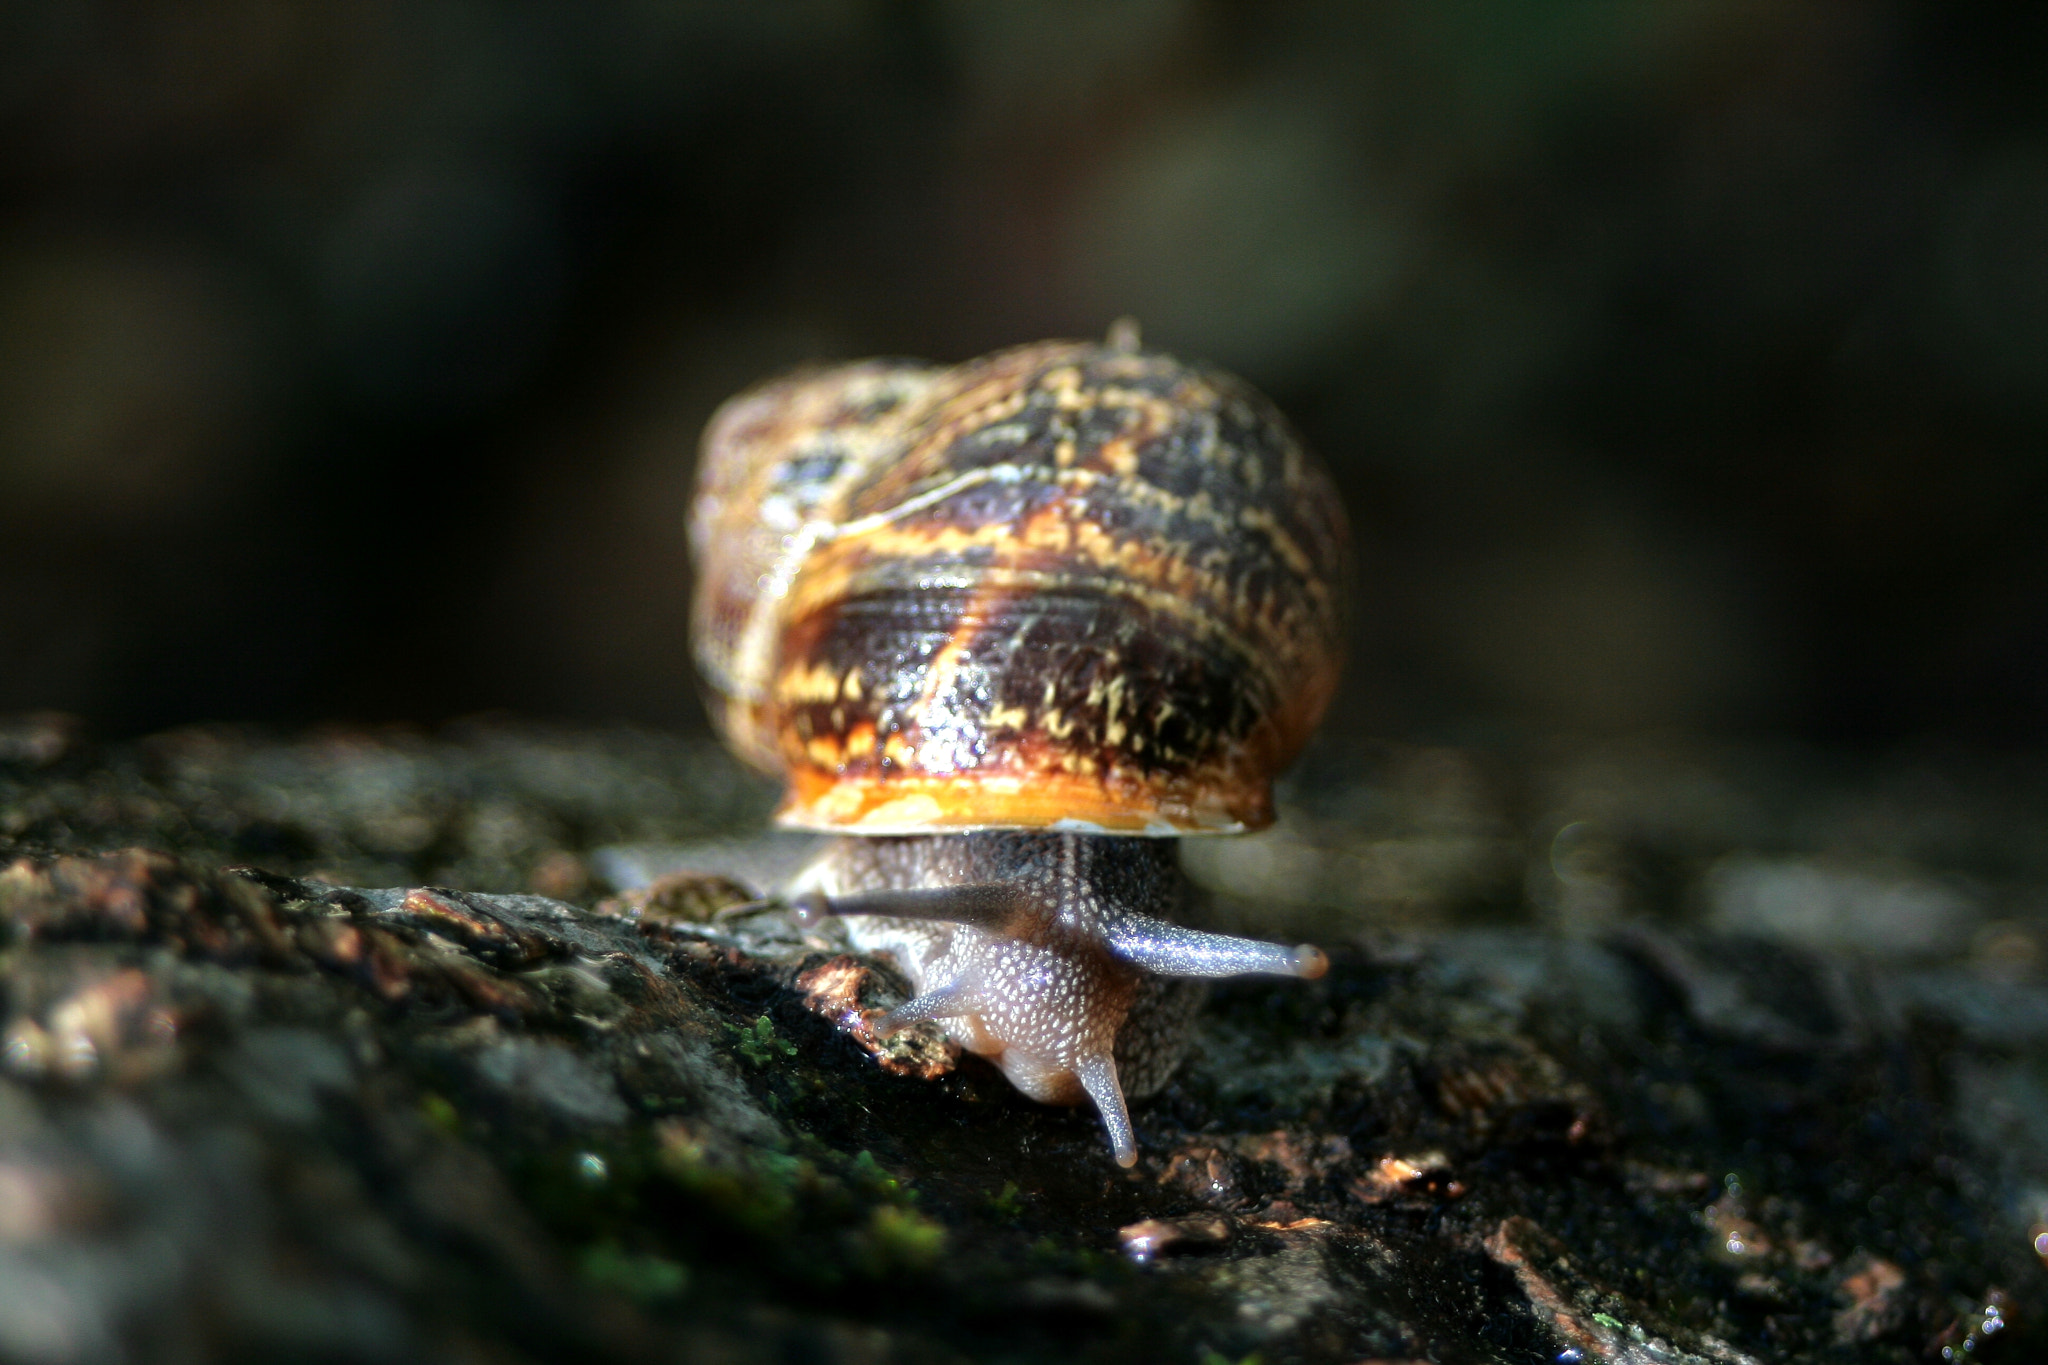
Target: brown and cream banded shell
(1067, 586)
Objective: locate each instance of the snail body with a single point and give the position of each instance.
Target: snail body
(1005, 625)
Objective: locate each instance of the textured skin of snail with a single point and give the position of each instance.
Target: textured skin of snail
(1003, 625)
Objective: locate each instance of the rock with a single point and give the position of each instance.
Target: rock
(266, 1114)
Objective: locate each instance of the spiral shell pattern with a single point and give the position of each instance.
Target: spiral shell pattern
(1065, 586)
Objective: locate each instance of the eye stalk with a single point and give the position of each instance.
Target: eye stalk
(993, 907)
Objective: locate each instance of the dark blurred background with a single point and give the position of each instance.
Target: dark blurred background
(1685, 365)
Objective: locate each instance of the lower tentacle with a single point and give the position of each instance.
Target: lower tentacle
(1097, 1074)
(951, 1003)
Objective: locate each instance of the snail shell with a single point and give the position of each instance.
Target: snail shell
(995, 620)
(1065, 586)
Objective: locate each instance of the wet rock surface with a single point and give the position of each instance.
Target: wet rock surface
(341, 1048)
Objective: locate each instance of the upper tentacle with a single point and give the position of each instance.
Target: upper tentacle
(1173, 950)
(995, 907)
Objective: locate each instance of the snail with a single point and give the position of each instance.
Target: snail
(1010, 628)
